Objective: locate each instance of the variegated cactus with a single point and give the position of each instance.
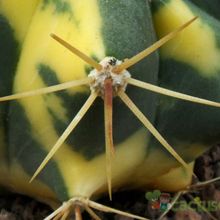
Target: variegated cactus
(105, 145)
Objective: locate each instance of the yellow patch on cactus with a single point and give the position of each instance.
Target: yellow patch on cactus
(93, 171)
(53, 102)
(189, 46)
(15, 177)
(19, 14)
(52, 54)
(168, 182)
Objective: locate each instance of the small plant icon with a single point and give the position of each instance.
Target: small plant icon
(158, 200)
(153, 197)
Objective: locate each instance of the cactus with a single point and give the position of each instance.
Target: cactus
(70, 165)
